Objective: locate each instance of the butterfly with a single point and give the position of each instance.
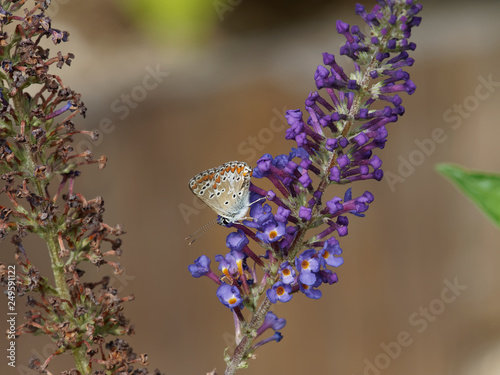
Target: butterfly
(225, 189)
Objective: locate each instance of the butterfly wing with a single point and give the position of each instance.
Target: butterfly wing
(225, 189)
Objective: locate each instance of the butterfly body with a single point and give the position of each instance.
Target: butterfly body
(225, 189)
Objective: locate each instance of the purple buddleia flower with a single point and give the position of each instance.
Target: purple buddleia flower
(287, 273)
(330, 251)
(271, 231)
(277, 336)
(271, 321)
(308, 264)
(295, 222)
(280, 292)
(232, 264)
(201, 267)
(229, 295)
(237, 241)
(311, 291)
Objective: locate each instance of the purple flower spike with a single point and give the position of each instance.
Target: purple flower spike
(337, 140)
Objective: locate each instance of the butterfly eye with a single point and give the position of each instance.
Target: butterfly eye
(212, 195)
(240, 194)
(218, 194)
(234, 196)
(226, 203)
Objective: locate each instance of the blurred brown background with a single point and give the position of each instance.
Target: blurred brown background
(230, 76)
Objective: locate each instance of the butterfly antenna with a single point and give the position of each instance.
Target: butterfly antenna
(200, 232)
(257, 200)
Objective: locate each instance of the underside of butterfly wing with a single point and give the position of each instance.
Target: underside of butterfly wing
(225, 189)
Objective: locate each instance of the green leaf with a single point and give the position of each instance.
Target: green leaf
(481, 187)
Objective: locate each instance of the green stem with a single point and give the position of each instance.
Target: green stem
(79, 353)
(241, 351)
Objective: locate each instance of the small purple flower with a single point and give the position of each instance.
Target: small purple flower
(279, 292)
(331, 144)
(328, 277)
(270, 195)
(287, 273)
(335, 174)
(200, 267)
(305, 213)
(329, 252)
(271, 231)
(310, 290)
(271, 321)
(277, 336)
(305, 180)
(307, 264)
(282, 215)
(236, 241)
(343, 161)
(229, 295)
(334, 205)
(231, 264)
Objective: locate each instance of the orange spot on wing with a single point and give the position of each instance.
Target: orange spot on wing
(233, 168)
(228, 169)
(217, 179)
(215, 186)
